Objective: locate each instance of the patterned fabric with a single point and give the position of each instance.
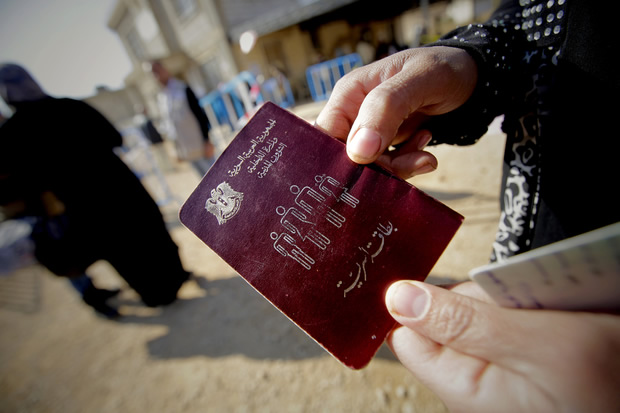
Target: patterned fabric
(516, 52)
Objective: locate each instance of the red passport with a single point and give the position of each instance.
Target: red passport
(317, 235)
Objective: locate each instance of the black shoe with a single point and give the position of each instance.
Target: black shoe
(167, 297)
(96, 298)
(107, 294)
(106, 311)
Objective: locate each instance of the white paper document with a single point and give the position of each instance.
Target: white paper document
(579, 273)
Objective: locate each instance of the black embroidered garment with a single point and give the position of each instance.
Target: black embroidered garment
(546, 66)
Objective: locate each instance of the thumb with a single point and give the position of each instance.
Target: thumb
(462, 323)
(386, 108)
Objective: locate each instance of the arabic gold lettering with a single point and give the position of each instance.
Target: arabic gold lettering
(382, 231)
(385, 230)
(252, 150)
(352, 286)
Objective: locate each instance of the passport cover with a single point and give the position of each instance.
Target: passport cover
(316, 234)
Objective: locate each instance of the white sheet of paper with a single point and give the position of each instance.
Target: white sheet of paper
(579, 273)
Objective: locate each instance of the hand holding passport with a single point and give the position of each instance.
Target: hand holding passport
(319, 236)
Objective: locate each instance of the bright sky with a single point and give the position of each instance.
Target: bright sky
(64, 44)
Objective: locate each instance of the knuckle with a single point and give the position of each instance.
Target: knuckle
(385, 96)
(345, 83)
(391, 102)
(454, 322)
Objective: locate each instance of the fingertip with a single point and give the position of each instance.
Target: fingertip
(407, 165)
(424, 164)
(364, 146)
(407, 299)
(333, 122)
(424, 138)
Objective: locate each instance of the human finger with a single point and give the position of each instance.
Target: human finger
(430, 81)
(408, 159)
(519, 340)
(412, 129)
(460, 322)
(470, 289)
(380, 117)
(340, 111)
(351, 91)
(455, 377)
(408, 165)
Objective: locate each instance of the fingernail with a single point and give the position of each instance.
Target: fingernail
(365, 144)
(424, 168)
(407, 300)
(424, 140)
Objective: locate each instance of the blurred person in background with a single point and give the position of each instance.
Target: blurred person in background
(57, 164)
(184, 121)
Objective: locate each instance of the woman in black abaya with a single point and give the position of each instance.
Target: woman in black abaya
(57, 159)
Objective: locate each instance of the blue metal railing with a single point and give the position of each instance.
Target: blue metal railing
(322, 77)
(232, 102)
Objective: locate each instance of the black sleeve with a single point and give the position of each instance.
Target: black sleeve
(498, 47)
(151, 132)
(198, 112)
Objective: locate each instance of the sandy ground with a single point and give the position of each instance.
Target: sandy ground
(221, 347)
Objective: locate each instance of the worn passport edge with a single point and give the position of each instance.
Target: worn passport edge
(380, 169)
(351, 366)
